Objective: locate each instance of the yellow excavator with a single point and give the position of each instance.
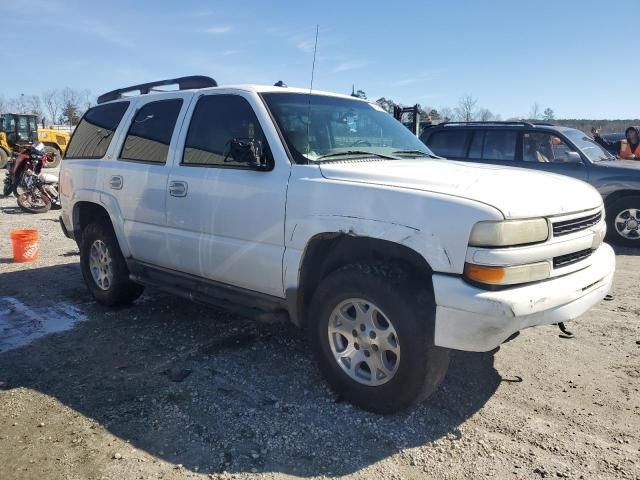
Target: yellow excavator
(19, 129)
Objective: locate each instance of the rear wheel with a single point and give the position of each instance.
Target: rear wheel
(103, 266)
(623, 221)
(54, 155)
(372, 332)
(33, 201)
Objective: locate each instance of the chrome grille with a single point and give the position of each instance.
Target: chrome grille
(570, 258)
(566, 227)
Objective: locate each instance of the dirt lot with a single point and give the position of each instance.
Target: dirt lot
(169, 389)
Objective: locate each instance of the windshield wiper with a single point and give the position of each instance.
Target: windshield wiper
(356, 152)
(415, 152)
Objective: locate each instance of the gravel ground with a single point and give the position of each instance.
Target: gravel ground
(169, 389)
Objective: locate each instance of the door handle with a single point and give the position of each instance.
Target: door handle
(178, 189)
(116, 182)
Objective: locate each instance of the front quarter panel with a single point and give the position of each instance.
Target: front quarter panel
(615, 176)
(435, 226)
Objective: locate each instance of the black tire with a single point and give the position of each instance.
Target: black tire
(26, 204)
(120, 290)
(411, 311)
(4, 158)
(617, 208)
(56, 157)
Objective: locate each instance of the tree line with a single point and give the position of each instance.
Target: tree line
(64, 106)
(469, 110)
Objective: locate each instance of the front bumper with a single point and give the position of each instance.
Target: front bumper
(472, 319)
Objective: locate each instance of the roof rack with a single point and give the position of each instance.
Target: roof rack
(506, 122)
(184, 83)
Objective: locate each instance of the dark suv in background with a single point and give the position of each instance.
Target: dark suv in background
(553, 149)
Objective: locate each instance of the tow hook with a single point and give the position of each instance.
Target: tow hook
(564, 330)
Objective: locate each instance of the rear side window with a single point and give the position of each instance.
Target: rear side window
(449, 144)
(94, 133)
(150, 132)
(216, 121)
(499, 145)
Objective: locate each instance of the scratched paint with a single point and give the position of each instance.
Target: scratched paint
(21, 324)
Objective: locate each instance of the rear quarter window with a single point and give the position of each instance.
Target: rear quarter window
(93, 135)
(449, 144)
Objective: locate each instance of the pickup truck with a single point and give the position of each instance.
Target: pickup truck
(323, 209)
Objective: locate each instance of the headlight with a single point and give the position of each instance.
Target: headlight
(532, 272)
(509, 233)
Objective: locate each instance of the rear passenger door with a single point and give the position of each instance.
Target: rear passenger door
(225, 219)
(138, 177)
(495, 146)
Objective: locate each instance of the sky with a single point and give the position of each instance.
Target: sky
(581, 58)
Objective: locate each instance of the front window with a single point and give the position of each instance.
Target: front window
(320, 128)
(588, 146)
(544, 147)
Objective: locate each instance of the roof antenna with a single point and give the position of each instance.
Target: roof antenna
(313, 69)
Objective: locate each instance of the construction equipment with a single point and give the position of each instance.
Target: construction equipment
(19, 129)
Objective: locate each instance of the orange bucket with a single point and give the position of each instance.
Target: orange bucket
(25, 245)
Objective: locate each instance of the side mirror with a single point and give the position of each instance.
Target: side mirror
(248, 151)
(573, 157)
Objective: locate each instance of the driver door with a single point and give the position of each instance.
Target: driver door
(550, 153)
(225, 219)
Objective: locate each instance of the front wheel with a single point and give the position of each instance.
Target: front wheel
(372, 332)
(103, 266)
(34, 201)
(623, 221)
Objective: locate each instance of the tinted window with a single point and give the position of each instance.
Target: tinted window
(216, 121)
(544, 147)
(475, 149)
(499, 145)
(449, 144)
(94, 133)
(150, 132)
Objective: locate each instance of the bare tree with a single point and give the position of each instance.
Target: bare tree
(52, 102)
(535, 112)
(446, 114)
(17, 104)
(73, 103)
(32, 105)
(485, 115)
(466, 109)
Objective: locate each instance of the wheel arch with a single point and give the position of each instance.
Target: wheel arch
(329, 251)
(618, 195)
(86, 211)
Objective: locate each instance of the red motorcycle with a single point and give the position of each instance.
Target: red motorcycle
(37, 192)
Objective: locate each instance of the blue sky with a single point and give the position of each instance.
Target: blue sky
(570, 55)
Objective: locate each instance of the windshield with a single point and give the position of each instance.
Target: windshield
(322, 128)
(588, 146)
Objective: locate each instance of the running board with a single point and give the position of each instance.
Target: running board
(246, 303)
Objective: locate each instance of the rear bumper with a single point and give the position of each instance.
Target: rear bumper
(472, 319)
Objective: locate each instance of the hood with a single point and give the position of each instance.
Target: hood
(516, 192)
(628, 166)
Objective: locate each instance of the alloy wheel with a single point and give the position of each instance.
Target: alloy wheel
(364, 342)
(101, 265)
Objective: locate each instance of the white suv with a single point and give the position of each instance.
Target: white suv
(322, 207)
